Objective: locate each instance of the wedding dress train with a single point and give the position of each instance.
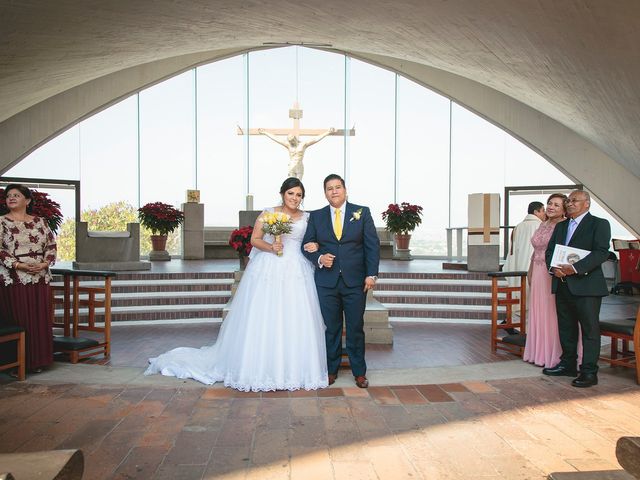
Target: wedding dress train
(273, 336)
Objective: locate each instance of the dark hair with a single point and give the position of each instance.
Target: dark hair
(561, 196)
(333, 176)
(290, 183)
(23, 190)
(534, 207)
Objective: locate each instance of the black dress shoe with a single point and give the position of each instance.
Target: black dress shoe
(560, 371)
(585, 380)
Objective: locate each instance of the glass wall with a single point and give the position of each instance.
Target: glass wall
(192, 131)
(423, 162)
(221, 156)
(371, 155)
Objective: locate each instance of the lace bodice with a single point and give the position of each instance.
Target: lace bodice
(540, 240)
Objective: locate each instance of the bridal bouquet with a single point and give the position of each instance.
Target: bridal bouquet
(276, 223)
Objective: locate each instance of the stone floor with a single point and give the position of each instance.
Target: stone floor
(440, 407)
(521, 428)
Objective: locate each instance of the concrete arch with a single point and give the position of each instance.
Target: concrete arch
(615, 186)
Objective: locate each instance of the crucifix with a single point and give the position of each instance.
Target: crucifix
(295, 147)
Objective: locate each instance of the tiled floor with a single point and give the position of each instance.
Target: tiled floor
(503, 429)
(415, 344)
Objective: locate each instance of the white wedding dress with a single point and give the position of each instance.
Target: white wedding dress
(272, 338)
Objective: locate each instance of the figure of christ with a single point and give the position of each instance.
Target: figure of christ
(296, 149)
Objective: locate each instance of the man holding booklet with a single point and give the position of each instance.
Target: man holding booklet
(577, 249)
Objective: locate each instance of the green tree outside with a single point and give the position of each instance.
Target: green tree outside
(112, 217)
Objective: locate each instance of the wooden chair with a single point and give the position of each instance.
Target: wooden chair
(621, 332)
(75, 296)
(512, 343)
(14, 333)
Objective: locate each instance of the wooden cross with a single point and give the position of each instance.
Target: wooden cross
(295, 113)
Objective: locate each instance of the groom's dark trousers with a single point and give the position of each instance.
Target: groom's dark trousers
(340, 288)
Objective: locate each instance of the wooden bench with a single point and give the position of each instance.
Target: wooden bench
(15, 333)
(73, 297)
(48, 465)
(621, 332)
(514, 342)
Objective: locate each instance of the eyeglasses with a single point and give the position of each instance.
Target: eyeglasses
(576, 200)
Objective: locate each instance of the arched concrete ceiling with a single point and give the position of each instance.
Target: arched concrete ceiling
(574, 62)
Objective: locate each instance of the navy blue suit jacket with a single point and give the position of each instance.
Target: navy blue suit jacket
(593, 234)
(357, 252)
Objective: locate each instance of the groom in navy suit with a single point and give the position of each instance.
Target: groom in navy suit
(347, 267)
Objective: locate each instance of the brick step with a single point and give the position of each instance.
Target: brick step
(435, 275)
(432, 298)
(434, 285)
(161, 298)
(193, 296)
(135, 276)
(477, 312)
(179, 285)
(155, 312)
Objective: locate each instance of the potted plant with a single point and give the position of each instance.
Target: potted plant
(240, 241)
(401, 221)
(161, 219)
(41, 206)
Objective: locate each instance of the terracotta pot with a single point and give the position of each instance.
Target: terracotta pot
(158, 243)
(402, 241)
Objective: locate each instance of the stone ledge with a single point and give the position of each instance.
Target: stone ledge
(48, 465)
(112, 266)
(628, 454)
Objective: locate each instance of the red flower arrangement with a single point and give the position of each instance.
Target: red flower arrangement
(403, 218)
(160, 218)
(41, 206)
(240, 240)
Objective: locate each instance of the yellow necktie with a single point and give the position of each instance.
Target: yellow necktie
(337, 225)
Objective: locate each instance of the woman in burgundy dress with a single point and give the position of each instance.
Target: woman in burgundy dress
(27, 250)
(543, 341)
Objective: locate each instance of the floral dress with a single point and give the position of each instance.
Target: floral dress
(25, 297)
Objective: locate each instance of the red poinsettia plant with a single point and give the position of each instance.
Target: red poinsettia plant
(41, 206)
(240, 240)
(403, 218)
(160, 218)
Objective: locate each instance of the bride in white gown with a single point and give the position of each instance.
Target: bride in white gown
(273, 336)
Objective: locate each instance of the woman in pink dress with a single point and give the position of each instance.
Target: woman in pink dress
(543, 341)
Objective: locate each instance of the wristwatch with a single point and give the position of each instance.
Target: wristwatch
(375, 277)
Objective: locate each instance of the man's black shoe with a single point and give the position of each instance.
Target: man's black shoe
(560, 371)
(585, 380)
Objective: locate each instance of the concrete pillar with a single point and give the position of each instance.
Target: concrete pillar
(193, 231)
